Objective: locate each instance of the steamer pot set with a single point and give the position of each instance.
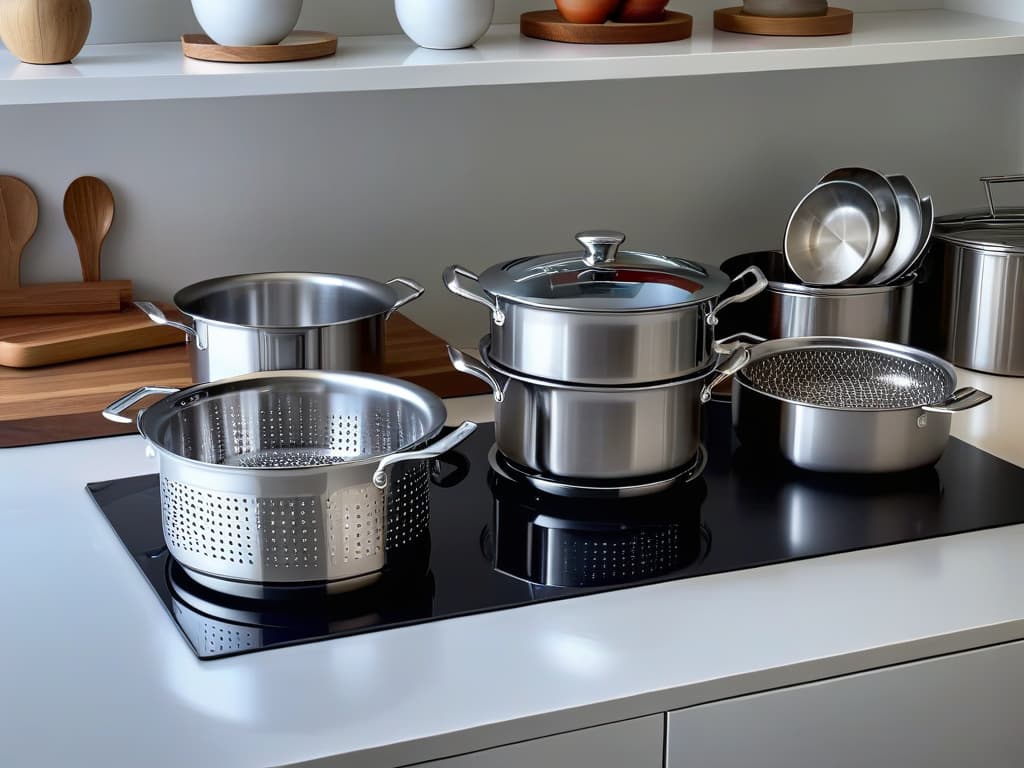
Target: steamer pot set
(293, 462)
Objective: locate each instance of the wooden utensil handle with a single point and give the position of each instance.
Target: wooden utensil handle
(65, 298)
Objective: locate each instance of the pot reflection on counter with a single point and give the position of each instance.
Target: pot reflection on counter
(563, 542)
(818, 511)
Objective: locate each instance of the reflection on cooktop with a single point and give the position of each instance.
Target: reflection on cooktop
(496, 545)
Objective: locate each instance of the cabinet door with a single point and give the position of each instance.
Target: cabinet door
(632, 743)
(948, 712)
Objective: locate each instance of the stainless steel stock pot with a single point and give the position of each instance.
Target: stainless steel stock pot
(969, 301)
(292, 477)
(790, 308)
(602, 316)
(586, 432)
(285, 321)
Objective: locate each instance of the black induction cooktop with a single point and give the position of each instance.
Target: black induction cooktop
(495, 544)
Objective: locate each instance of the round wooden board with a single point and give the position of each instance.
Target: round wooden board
(299, 45)
(838, 21)
(549, 25)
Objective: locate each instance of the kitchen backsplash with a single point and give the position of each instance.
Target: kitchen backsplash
(406, 182)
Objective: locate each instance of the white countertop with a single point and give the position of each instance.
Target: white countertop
(95, 673)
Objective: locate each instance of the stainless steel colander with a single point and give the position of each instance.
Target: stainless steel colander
(293, 476)
(847, 405)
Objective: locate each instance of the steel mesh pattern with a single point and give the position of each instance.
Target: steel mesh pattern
(833, 377)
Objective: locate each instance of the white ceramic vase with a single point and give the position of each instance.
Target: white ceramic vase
(444, 24)
(247, 22)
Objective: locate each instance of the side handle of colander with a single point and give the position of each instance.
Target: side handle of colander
(445, 444)
(113, 411)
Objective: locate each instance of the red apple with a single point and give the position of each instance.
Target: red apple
(586, 11)
(633, 11)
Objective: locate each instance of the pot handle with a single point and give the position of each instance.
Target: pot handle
(412, 285)
(445, 444)
(601, 245)
(988, 181)
(760, 283)
(961, 400)
(733, 364)
(451, 277)
(466, 364)
(730, 344)
(154, 313)
(113, 411)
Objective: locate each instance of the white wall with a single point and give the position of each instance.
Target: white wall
(144, 20)
(403, 183)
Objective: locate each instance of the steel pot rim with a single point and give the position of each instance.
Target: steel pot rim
(771, 347)
(434, 409)
(484, 349)
(183, 297)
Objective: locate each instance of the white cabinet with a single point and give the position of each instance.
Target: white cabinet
(633, 743)
(947, 712)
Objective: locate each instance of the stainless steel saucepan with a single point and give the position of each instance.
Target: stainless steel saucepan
(285, 321)
(290, 477)
(834, 404)
(789, 308)
(581, 432)
(602, 316)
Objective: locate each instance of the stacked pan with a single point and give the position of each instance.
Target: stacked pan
(858, 227)
(599, 361)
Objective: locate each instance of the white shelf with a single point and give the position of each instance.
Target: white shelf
(147, 71)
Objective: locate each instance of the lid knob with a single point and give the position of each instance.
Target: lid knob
(601, 245)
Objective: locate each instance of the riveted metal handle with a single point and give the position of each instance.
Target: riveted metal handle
(412, 285)
(451, 277)
(732, 365)
(759, 284)
(730, 344)
(602, 245)
(466, 364)
(113, 411)
(961, 400)
(445, 444)
(988, 181)
(154, 313)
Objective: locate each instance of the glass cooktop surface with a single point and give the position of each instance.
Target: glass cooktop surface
(495, 544)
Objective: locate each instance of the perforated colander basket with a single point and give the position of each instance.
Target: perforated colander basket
(293, 476)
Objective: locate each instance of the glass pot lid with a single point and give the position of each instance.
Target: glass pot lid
(602, 278)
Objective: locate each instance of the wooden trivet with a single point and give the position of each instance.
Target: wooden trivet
(549, 25)
(298, 46)
(838, 21)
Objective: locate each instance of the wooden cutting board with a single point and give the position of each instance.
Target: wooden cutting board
(30, 342)
(63, 402)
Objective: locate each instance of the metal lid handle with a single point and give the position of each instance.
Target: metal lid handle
(988, 181)
(601, 245)
(154, 313)
(451, 277)
(445, 444)
(961, 400)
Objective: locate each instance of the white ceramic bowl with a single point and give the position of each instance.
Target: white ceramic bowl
(444, 24)
(247, 22)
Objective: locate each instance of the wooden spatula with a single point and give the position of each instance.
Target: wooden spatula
(19, 215)
(89, 212)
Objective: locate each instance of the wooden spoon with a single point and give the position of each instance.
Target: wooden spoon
(89, 211)
(19, 215)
